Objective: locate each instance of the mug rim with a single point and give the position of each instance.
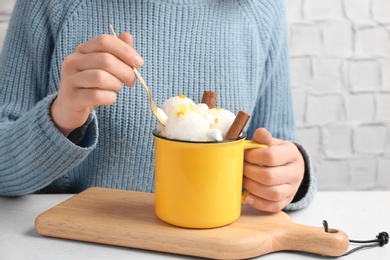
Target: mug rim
(242, 136)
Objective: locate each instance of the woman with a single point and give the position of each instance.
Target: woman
(67, 123)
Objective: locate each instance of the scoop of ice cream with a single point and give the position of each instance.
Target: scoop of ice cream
(187, 123)
(194, 122)
(175, 102)
(223, 120)
(203, 108)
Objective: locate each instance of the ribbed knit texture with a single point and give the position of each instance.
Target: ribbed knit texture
(236, 48)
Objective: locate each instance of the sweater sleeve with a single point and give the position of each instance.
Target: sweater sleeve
(274, 108)
(33, 153)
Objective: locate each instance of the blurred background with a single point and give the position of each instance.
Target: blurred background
(340, 70)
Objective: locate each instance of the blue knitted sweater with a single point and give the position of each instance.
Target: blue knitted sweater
(238, 48)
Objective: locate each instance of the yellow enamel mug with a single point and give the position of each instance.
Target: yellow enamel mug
(199, 184)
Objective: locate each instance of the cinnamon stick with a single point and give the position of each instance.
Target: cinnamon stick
(209, 98)
(237, 125)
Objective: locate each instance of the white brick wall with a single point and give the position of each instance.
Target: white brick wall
(340, 59)
(340, 65)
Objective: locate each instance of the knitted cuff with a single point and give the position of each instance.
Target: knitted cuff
(308, 187)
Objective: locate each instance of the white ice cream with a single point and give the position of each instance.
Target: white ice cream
(191, 122)
(223, 120)
(175, 102)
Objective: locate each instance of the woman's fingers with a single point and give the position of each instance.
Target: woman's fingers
(117, 47)
(95, 79)
(95, 97)
(100, 61)
(127, 38)
(270, 193)
(272, 175)
(91, 76)
(281, 153)
(268, 176)
(263, 204)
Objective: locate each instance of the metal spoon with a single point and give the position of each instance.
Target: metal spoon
(158, 113)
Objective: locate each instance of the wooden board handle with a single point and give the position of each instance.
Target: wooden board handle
(314, 240)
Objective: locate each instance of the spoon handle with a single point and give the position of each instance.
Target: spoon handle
(158, 113)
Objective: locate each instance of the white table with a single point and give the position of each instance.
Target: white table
(362, 215)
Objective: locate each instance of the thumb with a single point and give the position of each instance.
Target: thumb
(127, 38)
(263, 136)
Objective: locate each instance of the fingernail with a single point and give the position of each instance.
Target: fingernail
(138, 60)
(249, 200)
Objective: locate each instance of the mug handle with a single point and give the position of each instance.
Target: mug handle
(250, 144)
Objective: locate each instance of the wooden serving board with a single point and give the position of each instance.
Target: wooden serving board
(127, 218)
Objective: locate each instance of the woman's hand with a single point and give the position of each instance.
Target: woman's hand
(91, 76)
(272, 175)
